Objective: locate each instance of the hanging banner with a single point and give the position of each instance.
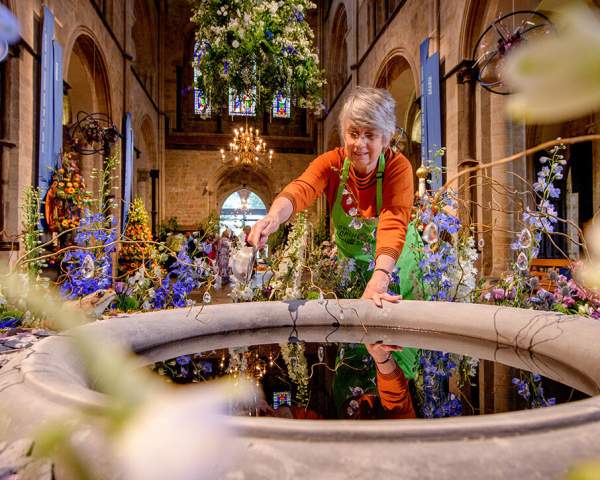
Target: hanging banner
(431, 117)
(57, 119)
(127, 156)
(46, 137)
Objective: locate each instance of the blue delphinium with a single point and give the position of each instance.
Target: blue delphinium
(437, 402)
(529, 386)
(179, 282)
(89, 268)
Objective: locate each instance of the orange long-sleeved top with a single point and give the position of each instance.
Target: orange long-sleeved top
(323, 175)
(394, 394)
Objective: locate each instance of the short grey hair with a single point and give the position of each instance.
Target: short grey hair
(372, 108)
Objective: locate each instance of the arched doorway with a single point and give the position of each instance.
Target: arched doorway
(88, 92)
(242, 208)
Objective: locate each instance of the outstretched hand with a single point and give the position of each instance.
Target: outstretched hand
(376, 290)
(261, 230)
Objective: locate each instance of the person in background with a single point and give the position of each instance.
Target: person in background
(223, 253)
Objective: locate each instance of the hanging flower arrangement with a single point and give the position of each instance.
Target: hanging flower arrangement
(262, 48)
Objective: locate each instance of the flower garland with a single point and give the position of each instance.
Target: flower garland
(293, 354)
(263, 47)
(287, 277)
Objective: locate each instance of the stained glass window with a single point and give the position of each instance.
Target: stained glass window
(201, 104)
(242, 105)
(281, 106)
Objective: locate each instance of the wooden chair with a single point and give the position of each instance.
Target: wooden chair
(540, 267)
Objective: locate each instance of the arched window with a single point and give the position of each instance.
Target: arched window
(201, 103)
(241, 208)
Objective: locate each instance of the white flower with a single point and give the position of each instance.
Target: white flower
(181, 435)
(235, 44)
(556, 78)
(353, 212)
(356, 224)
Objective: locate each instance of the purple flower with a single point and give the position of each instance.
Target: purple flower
(568, 301)
(183, 360)
(120, 287)
(498, 294)
(269, 34)
(225, 67)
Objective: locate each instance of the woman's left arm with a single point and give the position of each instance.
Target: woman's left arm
(398, 194)
(377, 288)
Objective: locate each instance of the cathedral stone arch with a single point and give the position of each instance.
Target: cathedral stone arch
(231, 179)
(88, 90)
(86, 76)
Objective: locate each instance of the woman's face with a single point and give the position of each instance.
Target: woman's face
(363, 146)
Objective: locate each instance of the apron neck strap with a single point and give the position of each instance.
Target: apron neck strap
(380, 170)
(379, 176)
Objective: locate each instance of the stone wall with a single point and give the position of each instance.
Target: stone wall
(198, 183)
(112, 52)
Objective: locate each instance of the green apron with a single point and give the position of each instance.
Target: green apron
(359, 243)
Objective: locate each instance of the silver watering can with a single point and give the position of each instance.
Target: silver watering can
(242, 264)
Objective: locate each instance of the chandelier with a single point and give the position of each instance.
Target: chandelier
(247, 149)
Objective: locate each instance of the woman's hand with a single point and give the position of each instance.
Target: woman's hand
(261, 230)
(376, 289)
(382, 355)
(280, 211)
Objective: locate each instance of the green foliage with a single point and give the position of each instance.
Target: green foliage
(278, 238)
(210, 225)
(106, 178)
(127, 303)
(257, 47)
(171, 225)
(31, 231)
(321, 233)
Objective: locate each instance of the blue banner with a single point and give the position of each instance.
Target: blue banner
(127, 158)
(57, 120)
(46, 137)
(431, 118)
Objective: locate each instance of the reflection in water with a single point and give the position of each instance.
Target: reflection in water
(357, 381)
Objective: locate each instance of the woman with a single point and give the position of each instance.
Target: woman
(223, 252)
(369, 191)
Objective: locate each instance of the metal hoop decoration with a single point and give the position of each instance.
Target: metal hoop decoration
(93, 133)
(504, 39)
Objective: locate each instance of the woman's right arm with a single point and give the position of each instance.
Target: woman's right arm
(297, 196)
(279, 212)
